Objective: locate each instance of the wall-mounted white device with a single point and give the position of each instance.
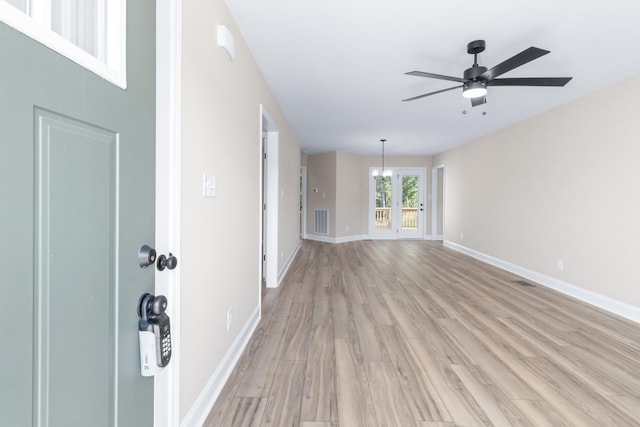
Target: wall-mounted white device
(226, 42)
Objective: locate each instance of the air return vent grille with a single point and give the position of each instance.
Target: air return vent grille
(321, 222)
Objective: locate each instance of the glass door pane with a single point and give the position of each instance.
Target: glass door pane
(411, 209)
(383, 203)
(410, 202)
(80, 22)
(20, 4)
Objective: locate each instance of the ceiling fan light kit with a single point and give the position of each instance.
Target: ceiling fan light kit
(474, 89)
(476, 79)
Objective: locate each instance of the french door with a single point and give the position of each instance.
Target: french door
(396, 204)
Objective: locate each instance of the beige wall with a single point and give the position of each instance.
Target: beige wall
(220, 237)
(561, 185)
(289, 203)
(351, 196)
(321, 175)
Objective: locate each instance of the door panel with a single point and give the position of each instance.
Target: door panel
(76, 171)
(78, 168)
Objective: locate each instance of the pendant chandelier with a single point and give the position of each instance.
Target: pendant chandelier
(385, 173)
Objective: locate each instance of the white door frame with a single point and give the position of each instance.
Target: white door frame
(396, 193)
(168, 119)
(436, 209)
(269, 126)
(303, 202)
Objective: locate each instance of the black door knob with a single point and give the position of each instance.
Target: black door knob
(169, 262)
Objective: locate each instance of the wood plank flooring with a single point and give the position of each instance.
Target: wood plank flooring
(409, 333)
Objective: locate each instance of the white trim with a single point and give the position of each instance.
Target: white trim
(269, 126)
(606, 303)
(168, 124)
(345, 239)
(38, 28)
(303, 201)
(202, 406)
(285, 267)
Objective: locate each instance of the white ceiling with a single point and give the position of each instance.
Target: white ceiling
(336, 67)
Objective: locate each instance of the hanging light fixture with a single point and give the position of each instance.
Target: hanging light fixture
(385, 173)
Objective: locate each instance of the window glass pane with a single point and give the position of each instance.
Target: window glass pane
(20, 4)
(383, 202)
(410, 202)
(79, 22)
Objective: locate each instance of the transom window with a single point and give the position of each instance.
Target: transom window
(91, 33)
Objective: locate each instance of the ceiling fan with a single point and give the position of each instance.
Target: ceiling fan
(477, 78)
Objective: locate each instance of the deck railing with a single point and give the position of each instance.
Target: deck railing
(409, 218)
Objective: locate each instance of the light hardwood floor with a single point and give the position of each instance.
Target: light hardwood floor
(409, 333)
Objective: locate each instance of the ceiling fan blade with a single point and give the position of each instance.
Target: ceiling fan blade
(530, 81)
(478, 101)
(431, 93)
(435, 76)
(515, 61)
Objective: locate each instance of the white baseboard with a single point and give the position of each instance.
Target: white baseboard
(285, 267)
(601, 301)
(328, 239)
(203, 404)
(346, 239)
(356, 238)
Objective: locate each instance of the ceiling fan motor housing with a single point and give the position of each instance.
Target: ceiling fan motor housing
(474, 72)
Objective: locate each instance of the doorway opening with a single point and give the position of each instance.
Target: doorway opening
(268, 258)
(396, 204)
(303, 202)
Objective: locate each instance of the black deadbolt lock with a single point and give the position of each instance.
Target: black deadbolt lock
(146, 256)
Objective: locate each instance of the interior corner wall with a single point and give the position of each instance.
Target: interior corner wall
(321, 189)
(220, 236)
(559, 186)
(351, 196)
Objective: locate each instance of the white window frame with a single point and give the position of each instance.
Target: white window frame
(37, 25)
